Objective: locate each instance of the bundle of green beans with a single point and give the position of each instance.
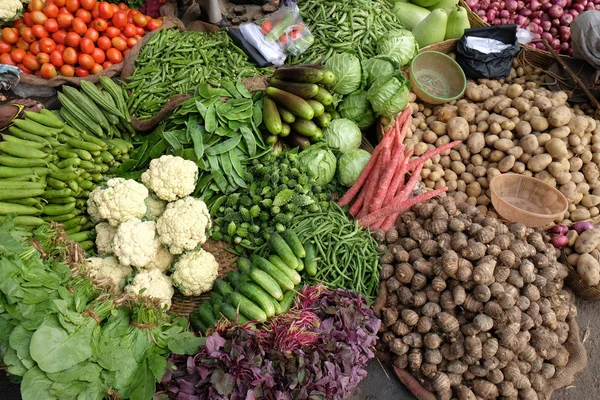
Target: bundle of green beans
(175, 62)
(345, 25)
(346, 252)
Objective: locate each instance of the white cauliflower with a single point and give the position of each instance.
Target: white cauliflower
(171, 177)
(10, 10)
(155, 207)
(136, 243)
(183, 225)
(105, 234)
(120, 200)
(195, 272)
(109, 267)
(154, 284)
(162, 261)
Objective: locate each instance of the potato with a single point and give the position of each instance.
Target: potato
(473, 189)
(516, 151)
(438, 127)
(420, 148)
(578, 125)
(503, 104)
(442, 141)
(514, 91)
(529, 143)
(560, 97)
(490, 103)
(569, 190)
(518, 168)
(539, 123)
(577, 177)
(557, 148)
(521, 104)
(485, 152)
(478, 93)
(523, 128)
(495, 128)
(543, 138)
(458, 167)
(588, 269)
(587, 241)
(429, 136)
(468, 111)
(591, 172)
(446, 113)
(575, 164)
(458, 128)
(556, 169)
(481, 116)
(543, 103)
(559, 116)
(476, 142)
(583, 188)
(508, 125)
(476, 159)
(496, 156)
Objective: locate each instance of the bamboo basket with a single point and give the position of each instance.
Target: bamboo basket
(474, 19)
(576, 284)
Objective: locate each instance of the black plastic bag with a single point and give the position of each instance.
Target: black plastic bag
(478, 65)
(253, 54)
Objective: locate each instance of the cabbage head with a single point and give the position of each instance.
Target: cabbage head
(342, 135)
(379, 66)
(356, 107)
(319, 163)
(348, 72)
(389, 94)
(400, 45)
(351, 165)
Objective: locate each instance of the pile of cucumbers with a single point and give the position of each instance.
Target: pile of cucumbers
(261, 288)
(297, 105)
(48, 169)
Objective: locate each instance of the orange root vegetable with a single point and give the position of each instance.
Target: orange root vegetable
(374, 181)
(353, 191)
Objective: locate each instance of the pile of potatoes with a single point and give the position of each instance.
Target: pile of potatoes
(583, 253)
(473, 308)
(510, 126)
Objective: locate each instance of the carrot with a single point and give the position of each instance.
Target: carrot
(408, 119)
(389, 222)
(398, 181)
(432, 153)
(377, 225)
(400, 207)
(372, 187)
(358, 203)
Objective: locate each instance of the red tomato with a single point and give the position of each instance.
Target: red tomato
(139, 31)
(61, 48)
(96, 11)
(30, 62)
(119, 43)
(98, 56)
(5, 58)
(85, 61)
(48, 71)
(64, 20)
(36, 5)
(79, 26)
(81, 72)
(5, 47)
(130, 30)
(131, 12)
(93, 34)
(100, 24)
(17, 24)
(51, 10)
(27, 19)
(51, 25)
(123, 6)
(72, 5)
(72, 39)
(154, 24)
(22, 44)
(126, 52)
(60, 3)
(56, 58)
(67, 70)
(104, 43)
(96, 69)
(85, 15)
(283, 39)
(47, 45)
(119, 19)
(266, 27)
(38, 17)
(105, 10)
(114, 55)
(39, 31)
(88, 4)
(70, 56)
(115, 8)
(86, 45)
(34, 48)
(59, 37)
(27, 35)
(106, 64)
(63, 10)
(43, 58)
(112, 32)
(131, 42)
(24, 70)
(140, 19)
(10, 35)
(17, 55)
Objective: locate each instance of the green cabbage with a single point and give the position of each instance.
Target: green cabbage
(342, 135)
(348, 72)
(400, 45)
(356, 107)
(319, 163)
(389, 94)
(379, 66)
(351, 164)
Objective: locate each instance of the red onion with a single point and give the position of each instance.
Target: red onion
(547, 36)
(556, 22)
(546, 25)
(555, 11)
(553, 31)
(496, 21)
(534, 5)
(491, 14)
(484, 4)
(560, 3)
(559, 241)
(503, 21)
(521, 20)
(589, 6)
(495, 5)
(520, 5)
(555, 43)
(538, 36)
(579, 7)
(546, 6)
(504, 14)
(566, 19)
(560, 229)
(512, 5)
(564, 46)
(481, 13)
(582, 226)
(526, 12)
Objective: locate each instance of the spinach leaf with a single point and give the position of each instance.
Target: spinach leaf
(67, 390)
(84, 371)
(36, 386)
(19, 340)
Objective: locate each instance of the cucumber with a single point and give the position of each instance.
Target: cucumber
(264, 280)
(310, 262)
(17, 150)
(247, 307)
(283, 267)
(285, 130)
(271, 116)
(24, 142)
(299, 74)
(323, 121)
(19, 162)
(46, 119)
(286, 116)
(244, 265)
(328, 78)
(222, 287)
(300, 265)
(259, 296)
(197, 323)
(233, 278)
(304, 90)
(286, 302)
(232, 314)
(206, 314)
(318, 108)
(297, 140)
(305, 127)
(295, 104)
(216, 298)
(279, 246)
(276, 305)
(21, 134)
(293, 241)
(323, 97)
(281, 278)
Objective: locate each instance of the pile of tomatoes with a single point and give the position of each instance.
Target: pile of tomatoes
(72, 37)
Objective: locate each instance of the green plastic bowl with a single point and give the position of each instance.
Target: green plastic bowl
(436, 78)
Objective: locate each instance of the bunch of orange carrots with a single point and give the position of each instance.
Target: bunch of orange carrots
(381, 192)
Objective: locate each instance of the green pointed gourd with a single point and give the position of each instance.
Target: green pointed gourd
(432, 29)
(447, 5)
(458, 21)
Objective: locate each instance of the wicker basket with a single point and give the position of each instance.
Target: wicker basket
(576, 284)
(474, 19)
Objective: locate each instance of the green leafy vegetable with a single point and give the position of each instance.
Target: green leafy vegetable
(356, 107)
(320, 164)
(389, 94)
(400, 45)
(377, 67)
(350, 166)
(348, 73)
(342, 135)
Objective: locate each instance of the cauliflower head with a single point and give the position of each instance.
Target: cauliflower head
(171, 177)
(154, 284)
(135, 242)
(105, 234)
(10, 10)
(183, 225)
(108, 267)
(162, 261)
(120, 200)
(155, 207)
(195, 272)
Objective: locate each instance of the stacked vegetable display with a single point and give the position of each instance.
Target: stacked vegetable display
(263, 287)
